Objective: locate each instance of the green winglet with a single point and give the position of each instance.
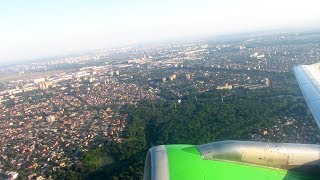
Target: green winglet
(185, 163)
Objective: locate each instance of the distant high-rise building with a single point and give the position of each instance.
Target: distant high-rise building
(39, 80)
(44, 85)
(267, 82)
(226, 86)
(172, 77)
(50, 119)
(254, 54)
(188, 76)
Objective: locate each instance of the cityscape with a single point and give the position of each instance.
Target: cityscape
(159, 90)
(54, 110)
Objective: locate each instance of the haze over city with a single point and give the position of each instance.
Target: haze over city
(123, 89)
(35, 29)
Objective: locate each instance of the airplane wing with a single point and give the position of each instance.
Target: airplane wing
(231, 160)
(243, 159)
(308, 77)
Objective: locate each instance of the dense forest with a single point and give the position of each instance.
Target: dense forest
(198, 118)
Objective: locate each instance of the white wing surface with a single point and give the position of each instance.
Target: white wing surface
(308, 77)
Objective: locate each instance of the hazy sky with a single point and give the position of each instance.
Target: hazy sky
(41, 28)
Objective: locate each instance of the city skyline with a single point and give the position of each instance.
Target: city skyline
(37, 29)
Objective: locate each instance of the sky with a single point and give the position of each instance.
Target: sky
(42, 28)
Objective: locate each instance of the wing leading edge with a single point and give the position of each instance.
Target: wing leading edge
(308, 77)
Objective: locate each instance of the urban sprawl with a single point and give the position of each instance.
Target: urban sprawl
(51, 110)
